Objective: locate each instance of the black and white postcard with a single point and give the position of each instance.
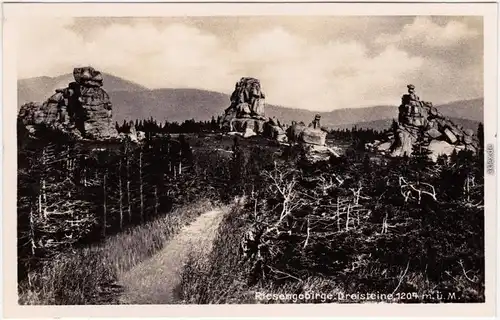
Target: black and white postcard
(300, 159)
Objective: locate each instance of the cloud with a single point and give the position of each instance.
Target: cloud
(173, 56)
(295, 70)
(328, 76)
(453, 51)
(45, 46)
(423, 31)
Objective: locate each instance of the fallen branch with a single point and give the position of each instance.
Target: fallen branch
(401, 278)
(284, 273)
(461, 263)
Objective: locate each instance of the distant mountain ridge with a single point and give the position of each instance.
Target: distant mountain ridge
(40, 88)
(132, 101)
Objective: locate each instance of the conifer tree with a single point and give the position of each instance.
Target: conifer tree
(480, 135)
(367, 167)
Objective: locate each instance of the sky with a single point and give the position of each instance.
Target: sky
(316, 63)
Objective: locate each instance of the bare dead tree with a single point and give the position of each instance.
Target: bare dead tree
(347, 217)
(384, 224)
(129, 205)
(120, 194)
(356, 193)
(339, 180)
(32, 232)
(42, 196)
(469, 183)
(285, 188)
(104, 203)
(85, 171)
(254, 198)
(326, 185)
(338, 214)
(474, 279)
(157, 203)
(408, 189)
(308, 233)
(403, 274)
(141, 186)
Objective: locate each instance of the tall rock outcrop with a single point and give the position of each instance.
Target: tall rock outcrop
(246, 112)
(82, 110)
(416, 118)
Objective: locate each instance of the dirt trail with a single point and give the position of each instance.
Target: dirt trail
(153, 281)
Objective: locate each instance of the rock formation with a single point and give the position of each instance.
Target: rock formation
(274, 130)
(415, 118)
(311, 140)
(83, 109)
(313, 134)
(246, 111)
(294, 131)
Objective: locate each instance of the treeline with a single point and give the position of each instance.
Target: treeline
(360, 135)
(356, 139)
(153, 126)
